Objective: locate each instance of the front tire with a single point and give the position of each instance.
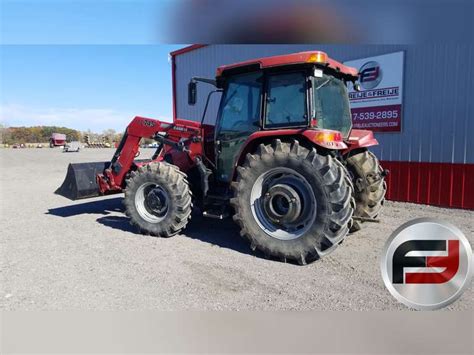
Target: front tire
(158, 199)
(292, 203)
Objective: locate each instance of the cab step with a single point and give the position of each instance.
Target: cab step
(215, 215)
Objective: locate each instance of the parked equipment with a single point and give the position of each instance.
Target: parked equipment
(281, 157)
(73, 146)
(102, 142)
(57, 140)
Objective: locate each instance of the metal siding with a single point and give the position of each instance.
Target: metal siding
(439, 184)
(437, 107)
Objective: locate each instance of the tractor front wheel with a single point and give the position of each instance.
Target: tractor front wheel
(158, 199)
(292, 203)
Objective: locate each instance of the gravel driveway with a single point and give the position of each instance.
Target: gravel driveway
(84, 255)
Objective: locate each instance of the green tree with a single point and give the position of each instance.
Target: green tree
(5, 135)
(37, 134)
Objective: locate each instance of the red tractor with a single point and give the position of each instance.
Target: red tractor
(282, 158)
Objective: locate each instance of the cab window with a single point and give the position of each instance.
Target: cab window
(240, 117)
(241, 104)
(286, 100)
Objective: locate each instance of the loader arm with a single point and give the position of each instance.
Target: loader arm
(85, 180)
(182, 137)
(113, 177)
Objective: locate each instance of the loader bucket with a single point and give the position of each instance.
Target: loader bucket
(81, 180)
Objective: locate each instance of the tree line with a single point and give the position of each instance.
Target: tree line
(42, 134)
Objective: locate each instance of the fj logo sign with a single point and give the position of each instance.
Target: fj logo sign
(370, 75)
(426, 264)
(449, 263)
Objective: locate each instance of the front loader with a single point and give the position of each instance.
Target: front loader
(282, 158)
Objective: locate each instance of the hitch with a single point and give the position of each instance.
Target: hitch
(365, 219)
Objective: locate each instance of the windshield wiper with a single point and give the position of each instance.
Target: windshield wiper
(323, 84)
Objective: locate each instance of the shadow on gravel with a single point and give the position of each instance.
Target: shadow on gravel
(224, 234)
(221, 233)
(117, 222)
(94, 207)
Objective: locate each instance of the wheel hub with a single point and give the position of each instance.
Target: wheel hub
(156, 201)
(152, 202)
(282, 204)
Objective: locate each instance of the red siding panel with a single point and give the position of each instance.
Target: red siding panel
(458, 187)
(468, 185)
(439, 184)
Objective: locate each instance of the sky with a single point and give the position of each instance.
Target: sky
(84, 86)
(85, 21)
(95, 64)
(62, 63)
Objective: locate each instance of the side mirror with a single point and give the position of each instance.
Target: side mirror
(192, 92)
(357, 87)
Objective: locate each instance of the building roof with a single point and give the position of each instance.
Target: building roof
(186, 49)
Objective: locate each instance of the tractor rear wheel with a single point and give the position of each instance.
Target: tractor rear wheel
(292, 203)
(369, 184)
(158, 199)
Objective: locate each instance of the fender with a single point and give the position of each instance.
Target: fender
(325, 138)
(360, 138)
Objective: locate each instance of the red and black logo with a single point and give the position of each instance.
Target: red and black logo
(450, 263)
(426, 263)
(370, 75)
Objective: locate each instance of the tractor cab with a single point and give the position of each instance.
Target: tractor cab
(288, 93)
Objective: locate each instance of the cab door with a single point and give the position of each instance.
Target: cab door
(286, 100)
(239, 117)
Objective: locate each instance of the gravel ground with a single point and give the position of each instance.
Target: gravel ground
(84, 255)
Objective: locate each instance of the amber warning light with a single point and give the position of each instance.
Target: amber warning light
(318, 57)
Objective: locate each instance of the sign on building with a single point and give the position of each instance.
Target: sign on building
(378, 106)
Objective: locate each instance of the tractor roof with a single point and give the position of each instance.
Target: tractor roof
(316, 57)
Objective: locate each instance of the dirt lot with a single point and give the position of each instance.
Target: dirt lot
(63, 255)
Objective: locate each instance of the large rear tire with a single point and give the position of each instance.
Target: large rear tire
(158, 199)
(369, 184)
(292, 203)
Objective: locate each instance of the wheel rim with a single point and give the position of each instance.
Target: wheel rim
(152, 202)
(283, 203)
